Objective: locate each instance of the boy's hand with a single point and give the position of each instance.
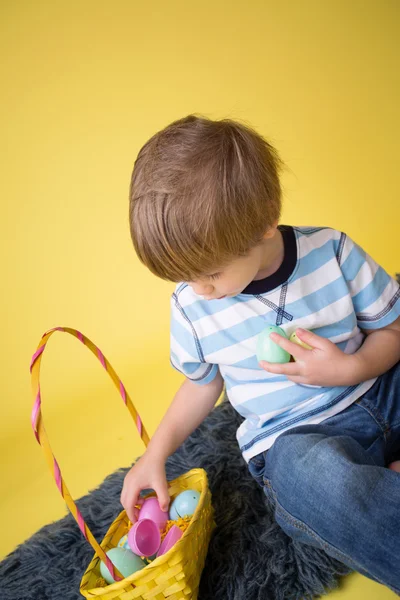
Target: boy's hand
(325, 364)
(147, 472)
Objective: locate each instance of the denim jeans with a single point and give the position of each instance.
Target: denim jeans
(329, 488)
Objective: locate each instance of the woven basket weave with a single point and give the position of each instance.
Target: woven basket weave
(174, 575)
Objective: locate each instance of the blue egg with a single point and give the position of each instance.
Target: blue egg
(269, 350)
(123, 543)
(184, 504)
(125, 561)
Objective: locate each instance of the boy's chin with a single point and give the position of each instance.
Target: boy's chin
(230, 295)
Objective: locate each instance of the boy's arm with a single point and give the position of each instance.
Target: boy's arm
(379, 352)
(190, 406)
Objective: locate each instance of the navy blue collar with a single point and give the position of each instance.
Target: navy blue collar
(261, 286)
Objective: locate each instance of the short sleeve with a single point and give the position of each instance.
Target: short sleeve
(186, 355)
(375, 295)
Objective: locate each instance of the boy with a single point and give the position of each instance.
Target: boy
(319, 432)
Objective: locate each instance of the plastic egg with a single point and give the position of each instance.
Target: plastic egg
(296, 340)
(125, 561)
(144, 538)
(269, 350)
(184, 504)
(173, 536)
(123, 543)
(151, 510)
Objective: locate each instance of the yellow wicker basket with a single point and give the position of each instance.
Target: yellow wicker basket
(174, 575)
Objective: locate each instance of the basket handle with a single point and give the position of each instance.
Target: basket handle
(41, 435)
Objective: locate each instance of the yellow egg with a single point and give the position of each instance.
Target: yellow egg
(293, 338)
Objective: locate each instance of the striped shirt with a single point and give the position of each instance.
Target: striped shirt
(326, 284)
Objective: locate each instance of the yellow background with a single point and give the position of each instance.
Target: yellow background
(84, 85)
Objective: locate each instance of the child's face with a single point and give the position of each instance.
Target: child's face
(236, 276)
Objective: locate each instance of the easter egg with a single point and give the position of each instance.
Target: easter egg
(296, 340)
(125, 561)
(173, 536)
(123, 543)
(268, 350)
(144, 538)
(184, 505)
(151, 510)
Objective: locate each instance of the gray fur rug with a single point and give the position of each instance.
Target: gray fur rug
(249, 558)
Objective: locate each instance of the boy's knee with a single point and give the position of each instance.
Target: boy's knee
(287, 464)
(292, 450)
(308, 469)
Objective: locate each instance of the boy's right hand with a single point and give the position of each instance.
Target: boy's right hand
(147, 472)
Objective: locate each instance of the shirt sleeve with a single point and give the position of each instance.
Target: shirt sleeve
(375, 295)
(186, 355)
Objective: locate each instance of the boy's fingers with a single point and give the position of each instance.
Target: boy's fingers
(291, 369)
(163, 496)
(123, 495)
(312, 339)
(131, 512)
(129, 504)
(298, 379)
(293, 349)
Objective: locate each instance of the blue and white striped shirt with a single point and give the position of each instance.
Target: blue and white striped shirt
(326, 284)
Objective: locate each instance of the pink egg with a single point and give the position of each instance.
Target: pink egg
(151, 510)
(173, 535)
(144, 538)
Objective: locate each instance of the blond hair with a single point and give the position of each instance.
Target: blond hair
(202, 193)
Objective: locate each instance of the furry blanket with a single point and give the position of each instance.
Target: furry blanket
(249, 558)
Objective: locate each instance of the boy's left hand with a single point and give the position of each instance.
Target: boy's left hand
(325, 364)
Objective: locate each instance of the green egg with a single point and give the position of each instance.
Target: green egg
(268, 350)
(124, 560)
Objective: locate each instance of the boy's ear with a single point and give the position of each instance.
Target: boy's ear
(271, 231)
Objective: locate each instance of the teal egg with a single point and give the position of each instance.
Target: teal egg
(268, 350)
(184, 504)
(125, 561)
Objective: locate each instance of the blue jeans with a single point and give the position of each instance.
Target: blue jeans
(329, 488)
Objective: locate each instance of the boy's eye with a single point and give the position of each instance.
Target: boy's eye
(214, 276)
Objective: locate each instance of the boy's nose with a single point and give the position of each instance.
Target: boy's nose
(202, 290)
